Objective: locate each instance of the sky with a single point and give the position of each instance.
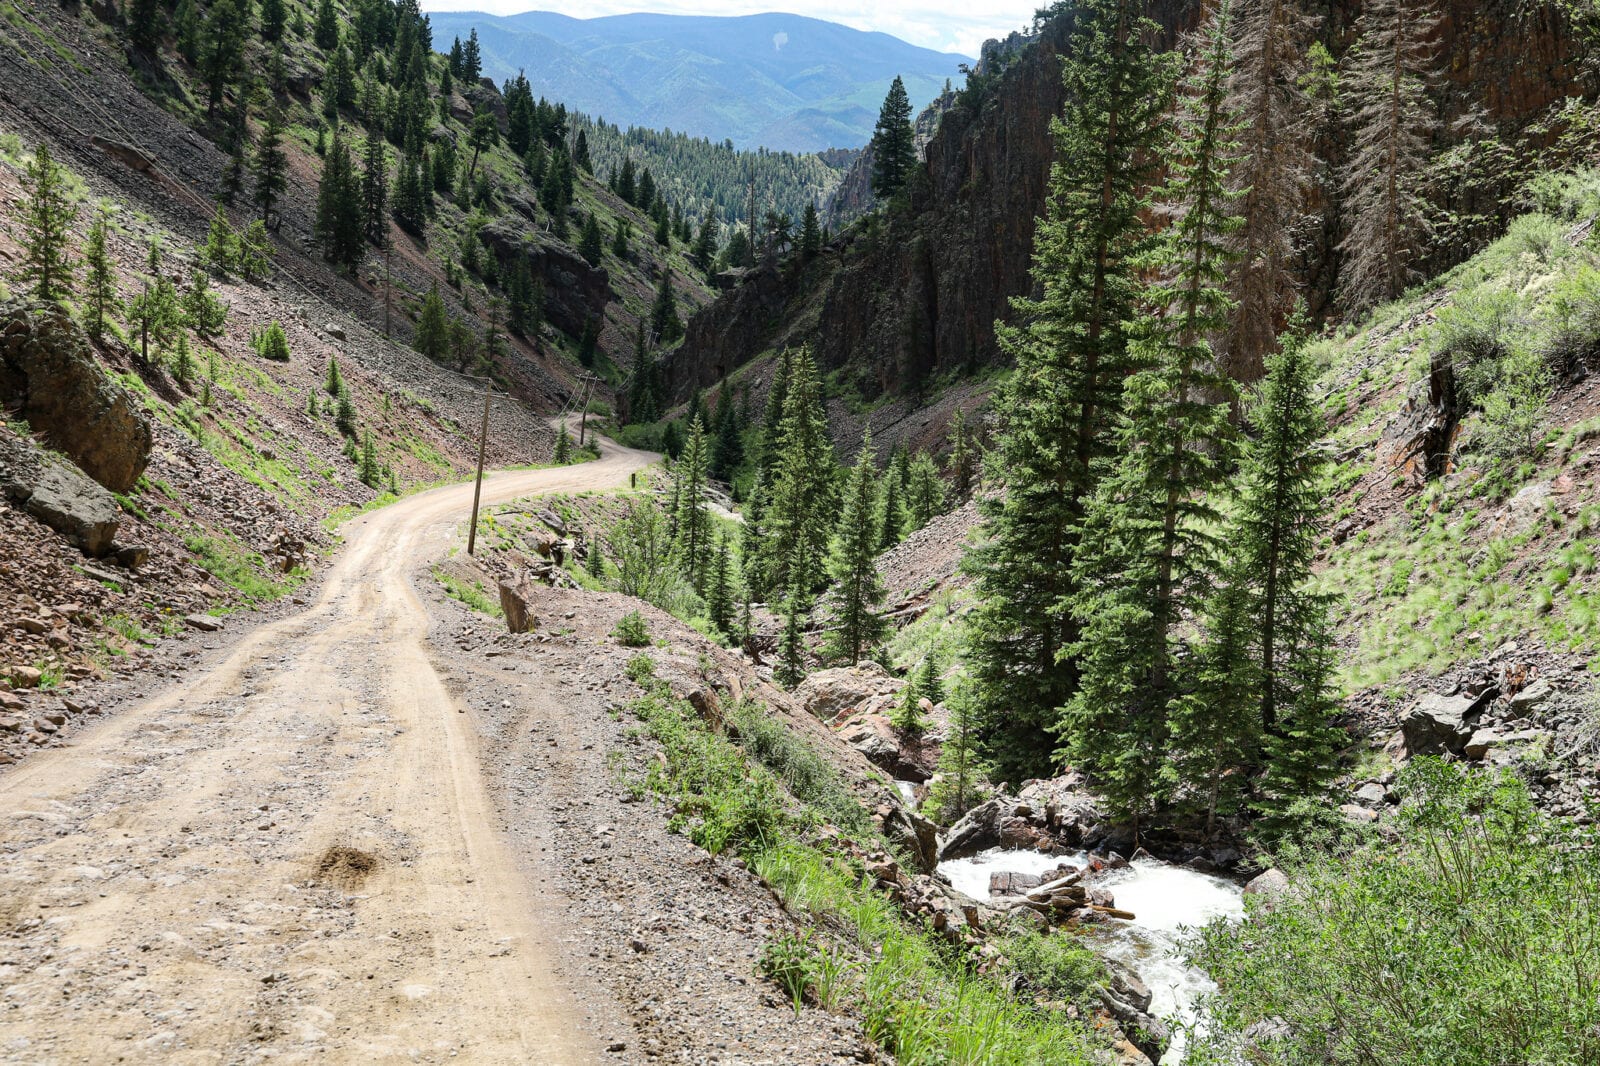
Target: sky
(943, 25)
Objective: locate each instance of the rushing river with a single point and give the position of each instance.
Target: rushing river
(1164, 899)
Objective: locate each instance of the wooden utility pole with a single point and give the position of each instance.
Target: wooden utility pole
(477, 489)
(583, 420)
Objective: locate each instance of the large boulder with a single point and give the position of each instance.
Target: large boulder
(49, 376)
(61, 497)
(1438, 725)
(828, 694)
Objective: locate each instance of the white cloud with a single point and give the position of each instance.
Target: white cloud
(944, 25)
(779, 39)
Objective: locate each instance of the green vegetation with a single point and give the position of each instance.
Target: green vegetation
(1472, 941)
(247, 573)
(918, 999)
(473, 594)
(632, 631)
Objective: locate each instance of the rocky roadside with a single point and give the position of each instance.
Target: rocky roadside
(670, 931)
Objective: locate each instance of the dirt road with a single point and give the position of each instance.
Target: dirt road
(291, 854)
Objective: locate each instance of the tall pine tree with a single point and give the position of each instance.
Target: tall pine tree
(893, 146)
(693, 521)
(1393, 117)
(858, 628)
(1148, 555)
(1058, 410)
(47, 217)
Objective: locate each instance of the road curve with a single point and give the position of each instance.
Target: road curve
(289, 854)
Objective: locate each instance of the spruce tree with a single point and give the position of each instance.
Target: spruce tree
(1278, 522)
(271, 166)
(802, 496)
(274, 19)
(810, 233)
(1057, 411)
(186, 28)
(722, 589)
(1148, 556)
(704, 253)
(484, 133)
(924, 491)
(432, 337)
(664, 320)
(1267, 88)
(619, 240)
(182, 362)
(202, 310)
(727, 451)
(930, 686)
(791, 666)
(563, 451)
(893, 146)
(1393, 118)
(101, 279)
(961, 769)
(471, 58)
(326, 33)
(907, 716)
(411, 199)
(221, 50)
(147, 22)
(332, 381)
(894, 517)
(858, 627)
(254, 251)
(221, 249)
(47, 217)
(591, 245)
(339, 219)
(589, 342)
(693, 546)
(375, 190)
(960, 465)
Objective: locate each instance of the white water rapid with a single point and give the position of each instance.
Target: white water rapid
(1165, 901)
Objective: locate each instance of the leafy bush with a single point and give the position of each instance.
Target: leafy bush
(787, 963)
(1569, 195)
(1059, 966)
(1476, 333)
(631, 631)
(1474, 941)
(1571, 323)
(641, 669)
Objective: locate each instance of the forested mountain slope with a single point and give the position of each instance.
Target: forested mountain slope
(779, 81)
(912, 294)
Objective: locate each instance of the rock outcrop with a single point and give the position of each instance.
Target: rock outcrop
(50, 377)
(58, 494)
(575, 293)
(911, 296)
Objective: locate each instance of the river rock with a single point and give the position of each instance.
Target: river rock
(1268, 884)
(827, 694)
(1485, 743)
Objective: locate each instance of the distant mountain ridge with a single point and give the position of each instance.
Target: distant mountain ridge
(779, 81)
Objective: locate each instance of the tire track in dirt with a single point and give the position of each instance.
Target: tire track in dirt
(291, 853)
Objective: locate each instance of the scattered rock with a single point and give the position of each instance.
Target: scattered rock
(131, 556)
(1486, 742)
(829, 694)
(205, 623)
(1438, 724)
(1532, 697)
(25, 676)
(1371, 795)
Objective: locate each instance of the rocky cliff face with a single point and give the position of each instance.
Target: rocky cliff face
(901, 299)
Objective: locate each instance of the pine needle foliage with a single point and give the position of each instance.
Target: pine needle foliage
(1058, 410)
(1149, 554)
(858, 627)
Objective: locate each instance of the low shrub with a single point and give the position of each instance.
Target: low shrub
(1472, 941)
(631, 631)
